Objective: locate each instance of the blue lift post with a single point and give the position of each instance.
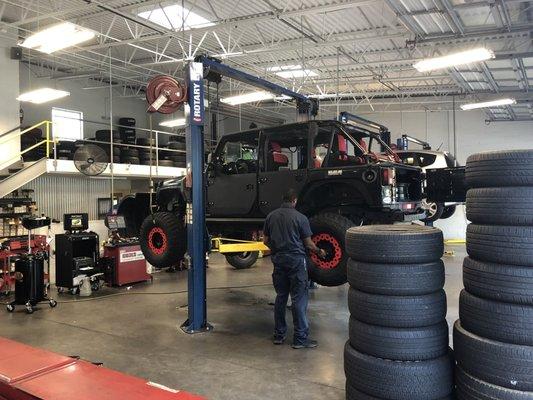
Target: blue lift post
(195, 218)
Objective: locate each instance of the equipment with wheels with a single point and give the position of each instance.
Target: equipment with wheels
(30, 288)
(77, 253)
(123, 261)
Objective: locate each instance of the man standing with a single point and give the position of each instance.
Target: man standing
(287, 233)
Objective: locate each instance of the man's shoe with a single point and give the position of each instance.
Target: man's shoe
(278, 340)
(309, 344)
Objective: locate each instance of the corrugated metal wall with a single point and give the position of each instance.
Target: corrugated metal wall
(57, 195)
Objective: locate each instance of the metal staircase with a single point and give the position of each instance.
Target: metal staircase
(27, 173)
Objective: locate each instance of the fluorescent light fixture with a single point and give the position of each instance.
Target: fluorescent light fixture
(292, 71)
(174, 123)
(455, 59)
(57, 37)
(488, 104)
(43, 95)
(171, 17)
(251, 97)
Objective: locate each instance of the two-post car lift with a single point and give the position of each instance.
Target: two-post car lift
(165, 94)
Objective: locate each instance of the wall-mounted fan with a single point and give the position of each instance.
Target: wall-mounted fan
(91, 160)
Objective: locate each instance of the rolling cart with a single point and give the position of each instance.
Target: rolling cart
(30, 289)
(77, 254)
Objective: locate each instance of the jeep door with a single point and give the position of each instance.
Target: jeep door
(284, 166)
(232, 176)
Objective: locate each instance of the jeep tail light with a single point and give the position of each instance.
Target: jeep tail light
(388, 176)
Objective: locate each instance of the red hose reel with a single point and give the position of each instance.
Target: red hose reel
(165, 94)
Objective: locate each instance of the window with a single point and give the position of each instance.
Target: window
(239, 155)
(287, 150)
(67, 124)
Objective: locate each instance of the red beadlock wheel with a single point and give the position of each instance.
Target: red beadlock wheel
(157, 240)
(333, 250)
(165, 94)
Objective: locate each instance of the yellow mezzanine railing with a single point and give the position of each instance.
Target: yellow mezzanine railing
(46, 141)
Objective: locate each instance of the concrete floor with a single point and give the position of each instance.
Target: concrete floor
(139, 334)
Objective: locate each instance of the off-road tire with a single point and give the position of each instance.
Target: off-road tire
(242, 260)
(500, 244)
(472, 388)
(127, 121)
(502, 364)
(397, 311)
(400, 244)
(396, 279)
(399, 380)
(163, 239)
(499, 282)
(500, 168)
(330, 227)
(177, 146)
(500, 206)
(402, 344)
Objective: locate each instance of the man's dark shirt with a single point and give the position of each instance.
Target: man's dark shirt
(286, 228)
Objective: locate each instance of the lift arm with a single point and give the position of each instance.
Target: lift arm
(403, 142)
(305, 104)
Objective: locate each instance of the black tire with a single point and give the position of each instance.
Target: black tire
(177, 145)
(165, 163)
(500, 206)
(127, 121)
(179, 164)
(402, 344)
(242, 260)
(506, 322)
(472, 388)
(127, 132)
(145, 141)
(396, 279)
(354, 394)
(116, 159)
(448, 212)
(506, 283)
(433, 211)
(397, 311)
(395, 243)
(500, 168)
(129, 152)
(399, 380)
(130, 160)
(500, 244)
(503, 364)
(329, 233)
(163, 239)
(104, 135)
(179, 158)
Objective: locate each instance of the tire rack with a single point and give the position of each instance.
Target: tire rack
(13, 248)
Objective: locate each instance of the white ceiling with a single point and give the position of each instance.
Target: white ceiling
(360, 49)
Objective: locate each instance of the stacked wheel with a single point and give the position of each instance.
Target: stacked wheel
(398, 346)
(493, 340)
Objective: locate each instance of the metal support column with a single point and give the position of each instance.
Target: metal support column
(196, 229)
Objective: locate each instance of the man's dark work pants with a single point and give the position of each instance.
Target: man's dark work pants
(290, 278)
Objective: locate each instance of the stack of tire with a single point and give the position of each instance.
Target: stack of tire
(29, 139)
(493, 340)
(145, 157)
(177, 155)
(398, 346)
(104, 136)
(128, 135)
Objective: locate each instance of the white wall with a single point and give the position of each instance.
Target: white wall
(94, 104)
(9, 106)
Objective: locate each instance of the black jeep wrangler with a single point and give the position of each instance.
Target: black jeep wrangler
(336, 168)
